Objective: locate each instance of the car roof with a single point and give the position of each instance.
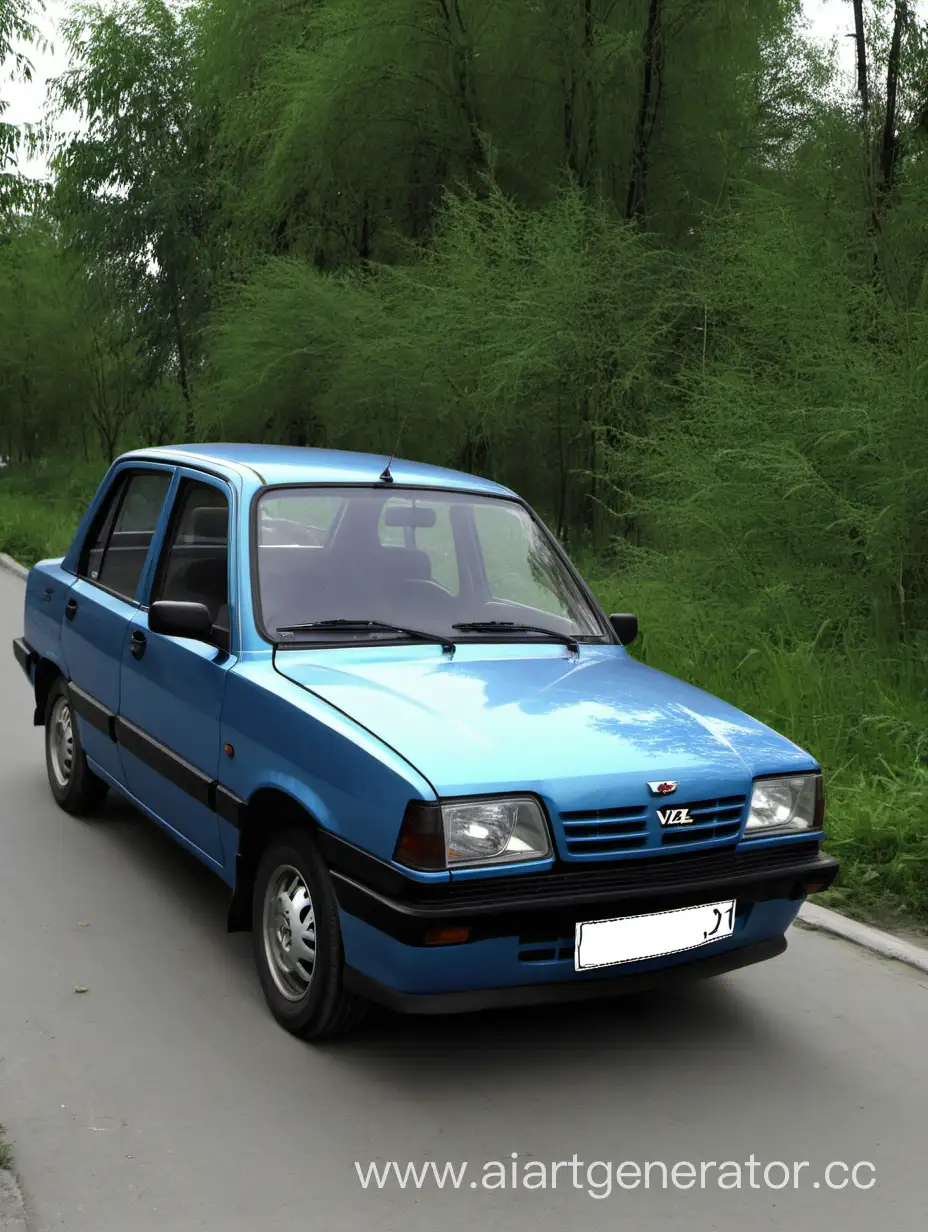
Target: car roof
(284, 464)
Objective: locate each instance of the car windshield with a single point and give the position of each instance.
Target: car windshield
(411, 559)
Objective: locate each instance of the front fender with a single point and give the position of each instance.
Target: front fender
(287, 739)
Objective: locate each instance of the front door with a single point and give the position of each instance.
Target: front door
(102, 602)
(172, 687)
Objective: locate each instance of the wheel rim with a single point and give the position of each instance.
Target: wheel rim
(289, 926)
(61, 742)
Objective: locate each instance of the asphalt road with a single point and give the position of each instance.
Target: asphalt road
(166, 1098)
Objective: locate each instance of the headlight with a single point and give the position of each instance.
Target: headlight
(495, 830)
(786, 804)
(498, 830)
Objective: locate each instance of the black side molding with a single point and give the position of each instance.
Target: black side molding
(165, 761)
(96, 714)
(568, 990)
(228, 805)
(195, 782)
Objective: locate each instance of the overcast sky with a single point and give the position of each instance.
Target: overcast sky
(827, 18)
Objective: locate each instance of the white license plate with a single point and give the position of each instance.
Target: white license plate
(606, 943)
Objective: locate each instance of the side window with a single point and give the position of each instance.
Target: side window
(120, 542)
(424, 527)
(194, 566)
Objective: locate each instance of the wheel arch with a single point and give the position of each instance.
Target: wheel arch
(269, 811)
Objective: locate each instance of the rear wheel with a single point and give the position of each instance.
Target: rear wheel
(297, 940)
(74, 785)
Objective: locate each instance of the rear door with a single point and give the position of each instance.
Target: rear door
(172, 687)
(104, 599)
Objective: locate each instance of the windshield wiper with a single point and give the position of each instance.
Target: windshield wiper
(372, 626)
(509, 626)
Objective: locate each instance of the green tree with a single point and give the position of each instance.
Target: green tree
(17, 32)
(128, 187)
(40, 378)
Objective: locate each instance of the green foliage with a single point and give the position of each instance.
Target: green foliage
(517, 336)
(129, 188)
(17, 31)
(41, 505)
(37, 304)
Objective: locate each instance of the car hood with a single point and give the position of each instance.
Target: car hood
(532, 717)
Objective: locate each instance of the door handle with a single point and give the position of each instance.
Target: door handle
(71, 609)
(137, 643)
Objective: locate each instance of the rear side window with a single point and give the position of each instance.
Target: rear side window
(123, 533)
(194, 566)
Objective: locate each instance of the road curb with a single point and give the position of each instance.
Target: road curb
(13, 566)
(12, 1210)
(821, 919)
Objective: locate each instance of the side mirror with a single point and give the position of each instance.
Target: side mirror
(625, 626)
(176, 619)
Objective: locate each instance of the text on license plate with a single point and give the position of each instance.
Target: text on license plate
(605, 943)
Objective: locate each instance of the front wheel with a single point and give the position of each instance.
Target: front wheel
(297, 940)
(74, 785)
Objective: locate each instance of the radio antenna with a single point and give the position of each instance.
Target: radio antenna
(385, 476)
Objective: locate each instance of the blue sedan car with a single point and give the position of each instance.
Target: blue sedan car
(380, 703)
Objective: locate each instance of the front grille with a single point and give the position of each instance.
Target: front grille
(605, 831)
(712, 820)
(609, 832)
(650, 873)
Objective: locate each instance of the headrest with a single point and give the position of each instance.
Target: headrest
(211, 523)
(407, 564)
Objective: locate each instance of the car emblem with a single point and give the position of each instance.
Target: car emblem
(675, 817)
(664, 788)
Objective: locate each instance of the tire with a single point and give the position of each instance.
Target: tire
(74, 785)
(295, 916)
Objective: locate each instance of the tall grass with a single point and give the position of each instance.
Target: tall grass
(41, 505)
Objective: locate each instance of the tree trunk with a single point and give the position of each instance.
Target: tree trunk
(580, 103)
(462, 71)
(561, 531)
(182, 364)
(592, 99)
(889, 148)
(863, 86)
(591, 501)
(652, 82)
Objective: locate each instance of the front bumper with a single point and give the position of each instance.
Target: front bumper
(520, 942)
(471, 999)
(552, 903)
